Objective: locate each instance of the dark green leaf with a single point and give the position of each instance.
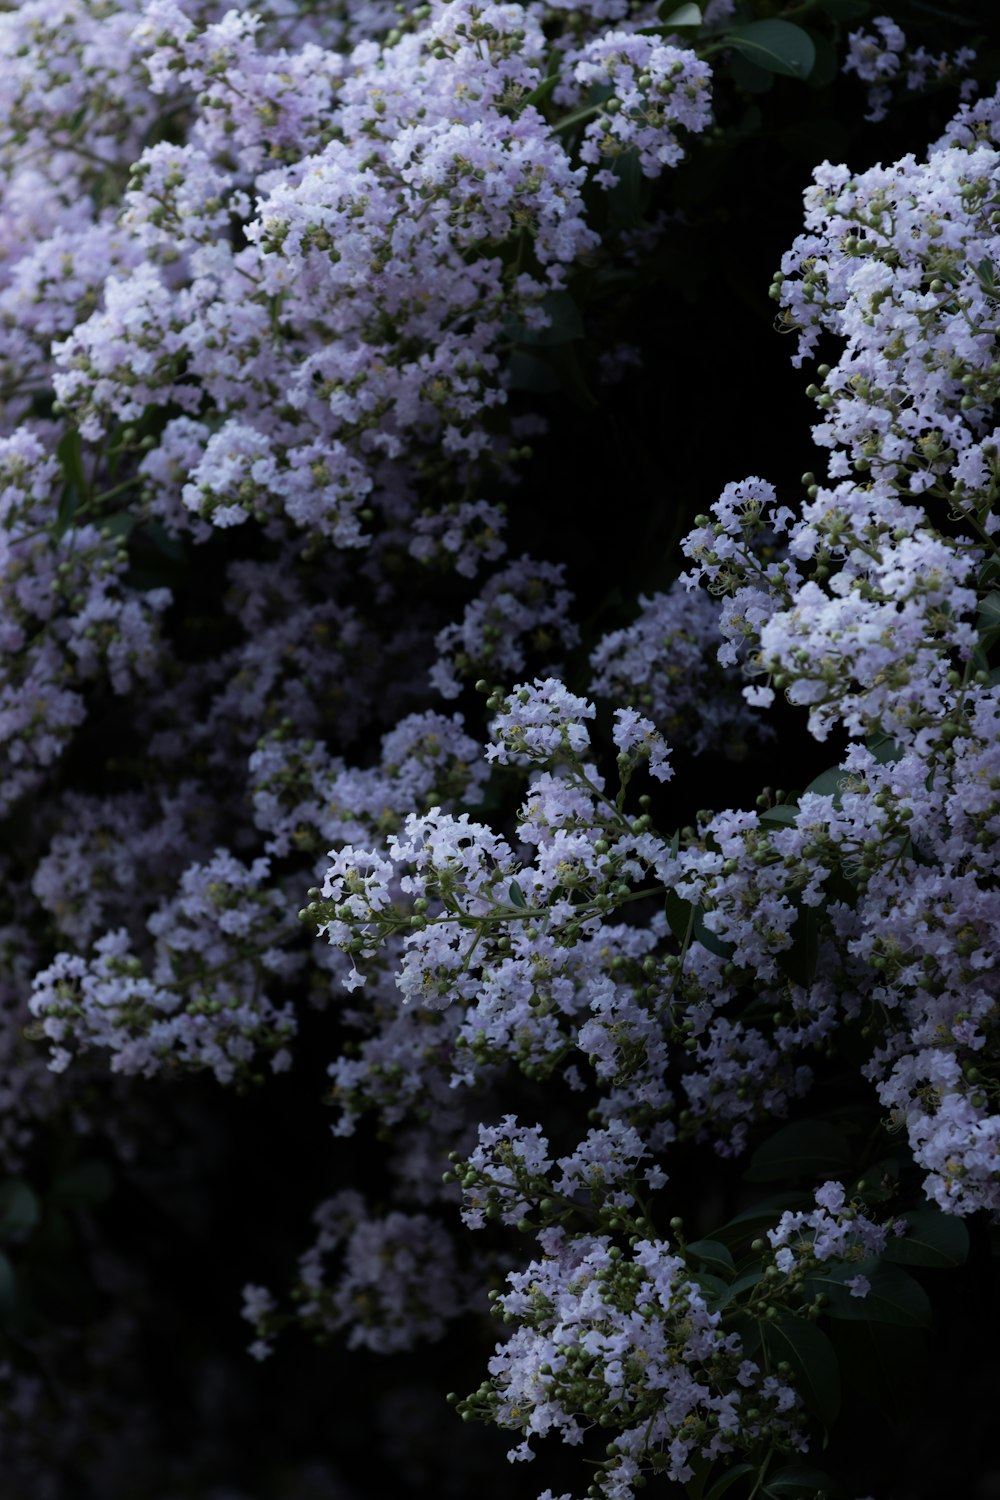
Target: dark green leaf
(744, 1226)
(884, 748)
(8, 1287)
(19, 1209)
(159, 537)
(932, 1239)
(722, 1484)
(541, 91)
(828, 783)
(70, 456)
(529, 373)
(815, 1372)
(708, 939)
(714, 1255)
(745, 1280)
(564, 323)
(894, 1296)
(782, 816)
(884, 1363)
(799, 961)
(989, 620)
(686, 926)
(90, 1182)
(747, 1329)
(714, 1289)
(121, 524)
(747, 76)
(809, 1148)
(628, 198)
(824, 71)
(800, 1482)
(681, 15)
(515, 894)
(679, 915)
(776, 46)
(846, 10)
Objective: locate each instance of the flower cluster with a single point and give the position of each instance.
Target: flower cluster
(268, 285)
(881, 58)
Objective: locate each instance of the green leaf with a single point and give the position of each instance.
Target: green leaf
(715, 1290)
(884, 748)
(746, 1279)
(8, 1287)
(19, 1208)
(748, 77)
(516, 895)
(989, 620)
(121, 524)
(828, 783)
(70, 456)
(88, 1183)
(686, 926)
(775, 46)
(884, 1363)
(799, 961)
(824, 71)
(815, 1372)
(628, 198)
(809, 1148)
(986, 272)
(564, 323)
(684, 15)
(529, 373)
(894, 1296)
(782, 816)
(678, 913)
(745, 1225)
(723, 1483)
(541, 91)
(932, 1239)
(714, 1255)
(800, 1482)
(846, 10)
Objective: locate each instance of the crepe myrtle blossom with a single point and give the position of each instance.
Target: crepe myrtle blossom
(626, 1341)
(200, 1004)
(389, 1282)
(863, 621)
(654, 89)
(363, 311)
(833, 1231)
(882, 58)
(666, 664)
(521, 614)
(538, 721)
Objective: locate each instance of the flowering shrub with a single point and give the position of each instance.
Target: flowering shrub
(339, 749)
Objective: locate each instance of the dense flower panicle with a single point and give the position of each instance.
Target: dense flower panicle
(200, 1005)
(307, 800)
(68, 618)
(395, 1281)
(883, 59)
(273, 265)
(654, 89)
(463, 537)
(628, 1342)
(521, 615)
(665, 662)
